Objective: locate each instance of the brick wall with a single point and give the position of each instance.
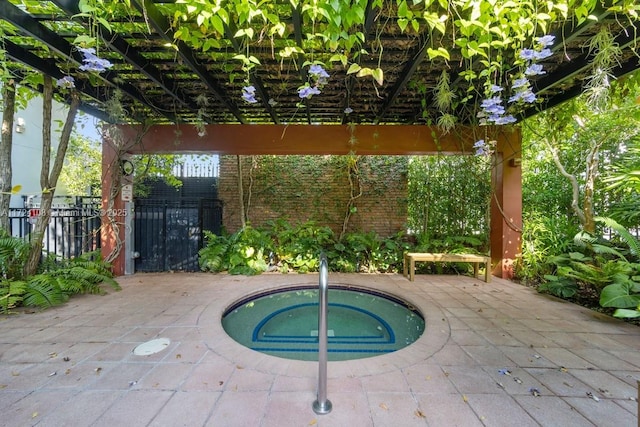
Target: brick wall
(302, 188)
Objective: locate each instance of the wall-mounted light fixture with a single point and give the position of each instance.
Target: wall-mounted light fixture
(515, 162)
(20, 125)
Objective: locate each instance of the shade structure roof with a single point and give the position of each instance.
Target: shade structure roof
(158, 77)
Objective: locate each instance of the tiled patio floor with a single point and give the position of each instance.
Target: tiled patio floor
(74, 366)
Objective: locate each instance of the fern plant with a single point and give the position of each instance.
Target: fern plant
(13, 255)
(11, 294)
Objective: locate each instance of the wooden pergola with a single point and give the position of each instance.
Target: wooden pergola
(506, 201)
(181, 87)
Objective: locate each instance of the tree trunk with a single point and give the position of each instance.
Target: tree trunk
(49, 180)
(6, 143)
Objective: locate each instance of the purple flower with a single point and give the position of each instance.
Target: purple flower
(495, 89)
(490, 102)
(317, 71)
(524, 95)
(521, 82)
(495, 110)
(87, 51)
(67, 82)
(547, 40)
(348, 110)
(527, 54)
(479, 143)
(528, 96)
(534, 70)
(98, 65)
(249, 94)
(544, 53)
(307, 91)
(91, 62)
(505, 120)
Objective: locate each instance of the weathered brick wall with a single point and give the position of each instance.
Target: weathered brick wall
(317, 188)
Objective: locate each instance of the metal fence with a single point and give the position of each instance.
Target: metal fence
(74, 226)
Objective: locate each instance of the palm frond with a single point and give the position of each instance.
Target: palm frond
(628, 238)
(43, 290)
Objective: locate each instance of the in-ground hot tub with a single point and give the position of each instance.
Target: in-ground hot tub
(361, 323)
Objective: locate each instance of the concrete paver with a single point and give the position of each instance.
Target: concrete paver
(74, 364)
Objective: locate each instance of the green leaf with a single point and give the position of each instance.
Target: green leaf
(218, 25)
(441, 51)
(354, 68)
(402, 23)
(378, 75)
(617, 295)
(625, 313)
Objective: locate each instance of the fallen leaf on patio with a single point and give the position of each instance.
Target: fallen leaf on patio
(313, 422)
(593, 396)
(563, 369)
(98, 370)
(604, 391)
(52, 373)
(53, 354)
(567, 384)
(428, 377)
(15, 374)
(418, 413)
(504, 371)
(132, 383)
(500, 385)
(178, 356)
(220, 382)
(383, 406)
(464, 399)
(66, 358)
(537, 356)
(239, 367)
(518, 380)
(534, 391)
(67, 372)
(446, 374)
(35, 414)
(3, 386)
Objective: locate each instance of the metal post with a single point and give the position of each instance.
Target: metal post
(322, 405)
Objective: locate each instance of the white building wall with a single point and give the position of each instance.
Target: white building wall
(27, 148)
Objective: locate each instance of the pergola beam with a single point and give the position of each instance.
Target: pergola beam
(33, 28)
(296, 17)
(133, 57)
(24, 56)
(404, 77)
(370, 15)
(160, 23)
(255, 79)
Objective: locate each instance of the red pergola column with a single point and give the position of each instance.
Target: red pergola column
(113, 209)
(506, 203)
(506, 207)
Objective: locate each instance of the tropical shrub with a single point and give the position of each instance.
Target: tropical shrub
(239, 253)
(55, 282)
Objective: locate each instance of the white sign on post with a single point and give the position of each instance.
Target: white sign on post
(127, 193)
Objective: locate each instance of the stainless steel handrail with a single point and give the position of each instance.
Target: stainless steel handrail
(322, 405)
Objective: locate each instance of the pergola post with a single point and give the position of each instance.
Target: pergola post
(506, 207)
(506, 199)
(112, 236)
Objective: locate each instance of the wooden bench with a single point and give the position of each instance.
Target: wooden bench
(410, 259)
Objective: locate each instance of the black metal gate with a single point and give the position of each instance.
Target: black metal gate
(169, 233)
